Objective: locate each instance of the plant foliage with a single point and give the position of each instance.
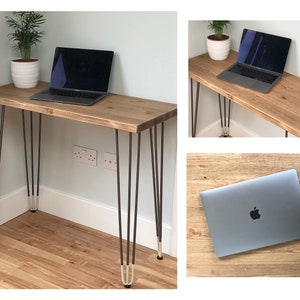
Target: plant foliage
(217, 27)
(26, 31)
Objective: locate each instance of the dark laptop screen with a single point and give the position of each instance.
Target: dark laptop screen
(264, 50)
(81, 69)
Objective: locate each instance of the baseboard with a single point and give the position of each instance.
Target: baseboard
(101, 217)
(84, 212)
(13, 205)
(236, 130)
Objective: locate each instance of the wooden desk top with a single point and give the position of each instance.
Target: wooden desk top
(114, 111)
(205, 171)
(281, 105)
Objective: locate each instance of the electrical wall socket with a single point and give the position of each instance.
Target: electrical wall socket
(110, 161)
(85, 155)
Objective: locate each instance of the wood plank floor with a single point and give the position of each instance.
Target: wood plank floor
(41, 251)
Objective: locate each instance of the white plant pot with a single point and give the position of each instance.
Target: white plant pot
(25, 74)
(218, 49)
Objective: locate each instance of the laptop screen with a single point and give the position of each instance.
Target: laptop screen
(81, 69)
(263, 50)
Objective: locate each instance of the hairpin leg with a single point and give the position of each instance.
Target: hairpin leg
(225, 123)
(2, 128)
(157, 174)
(33, 199)
(194, 111)
(127, 271)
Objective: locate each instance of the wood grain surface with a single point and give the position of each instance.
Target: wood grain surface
(114, 111)
(280, 106)
(206, 171)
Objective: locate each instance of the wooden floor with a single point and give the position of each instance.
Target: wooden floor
(41, 251)
(206, 171)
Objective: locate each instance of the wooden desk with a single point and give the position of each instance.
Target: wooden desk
(281, 106)
(129, 114)
(206, 171)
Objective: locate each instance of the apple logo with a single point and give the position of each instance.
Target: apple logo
(254, 214)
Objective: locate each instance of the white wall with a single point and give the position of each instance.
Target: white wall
(197, 45)
(144, 66)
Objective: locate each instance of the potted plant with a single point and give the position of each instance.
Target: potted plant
(218, 44)
(26, 33)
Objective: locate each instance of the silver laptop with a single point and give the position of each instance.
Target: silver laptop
(253, 214)
(78, 76)
(260, 62)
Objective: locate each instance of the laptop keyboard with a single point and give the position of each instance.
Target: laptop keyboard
(253, 73)
(74, 94)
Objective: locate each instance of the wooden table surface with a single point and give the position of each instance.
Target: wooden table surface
(205, 171)
(281, 106)
(114, 111)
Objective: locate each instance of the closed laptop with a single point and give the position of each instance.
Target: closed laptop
(253, 214)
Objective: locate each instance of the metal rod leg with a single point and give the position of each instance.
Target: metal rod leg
(32, 154)
(220, 110)
(224, 115)
(194, 111)
(157, 177)
(39, 157)
(25, 153)
(127, 271)
(2, 128)
(32, 197)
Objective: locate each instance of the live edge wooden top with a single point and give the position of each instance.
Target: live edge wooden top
(281, 105)
(114, 111)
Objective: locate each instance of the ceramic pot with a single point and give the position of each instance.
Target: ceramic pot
(25, 74)
(218, 49)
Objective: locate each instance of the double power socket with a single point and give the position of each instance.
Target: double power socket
(89, 156)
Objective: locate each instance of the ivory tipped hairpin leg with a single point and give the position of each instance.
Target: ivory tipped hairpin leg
(32, 197)
(127, 270)
(224, 118)
(157, 174)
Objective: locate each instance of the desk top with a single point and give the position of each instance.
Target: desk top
(207, 171)
(114, 111)
(281, 105)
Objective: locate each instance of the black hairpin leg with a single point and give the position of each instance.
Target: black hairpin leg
(224, 118)
(127, 269)
(32, 197)
(157, 174)
(194, 111)
(2, 128)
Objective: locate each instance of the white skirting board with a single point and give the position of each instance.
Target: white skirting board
(13, 205)
(100, 217)
(86, 213)
(236, 130)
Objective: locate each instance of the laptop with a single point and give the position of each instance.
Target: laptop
(260, 62)
(78, 76)
(253, 214)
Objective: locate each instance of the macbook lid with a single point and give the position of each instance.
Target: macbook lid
(81, 69)
(263, 50)
(253, 213)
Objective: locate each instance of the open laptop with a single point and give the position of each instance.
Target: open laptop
(260, 62)
(78, 76)
(253, 214)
